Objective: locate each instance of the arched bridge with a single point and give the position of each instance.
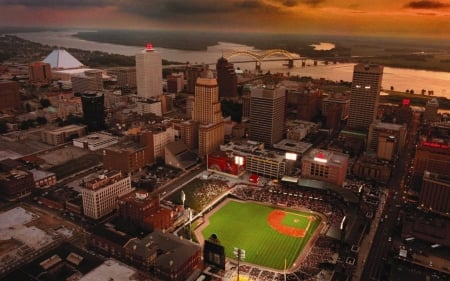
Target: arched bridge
(260, 56)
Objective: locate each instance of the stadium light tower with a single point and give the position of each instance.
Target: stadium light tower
(183, 197)
(240, 255)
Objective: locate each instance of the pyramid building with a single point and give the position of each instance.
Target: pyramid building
(61, 59)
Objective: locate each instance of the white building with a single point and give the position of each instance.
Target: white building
(148, 106)
(297, 130)
(149, 79)
(258, 160)
(95, 141)
(100, 194)
(161, 139)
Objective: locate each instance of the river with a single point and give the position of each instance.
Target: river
(401, 79)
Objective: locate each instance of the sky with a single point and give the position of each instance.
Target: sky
(423, 18)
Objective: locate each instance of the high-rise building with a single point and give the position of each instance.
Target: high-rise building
(94, 110)
(366, 86)
(175, 83)
(149, 72)
(335, 108)
(206, 107)
(189, 133)
(435, 193)
(192, 73)
(227, 79)
(308, 103)
(100, 194)
(403, 113)
(267, 114)
(386, 139)
(432, 156)
(207, 112)
(430, 113)
(161, 138)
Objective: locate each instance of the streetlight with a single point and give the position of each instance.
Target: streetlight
(190, 222)
(240, 255)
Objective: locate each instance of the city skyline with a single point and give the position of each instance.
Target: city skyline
(424, 18)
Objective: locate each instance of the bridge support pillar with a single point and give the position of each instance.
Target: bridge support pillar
(290, 63)
(258, 66)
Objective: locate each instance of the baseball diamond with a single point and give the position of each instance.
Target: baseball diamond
(272, 236)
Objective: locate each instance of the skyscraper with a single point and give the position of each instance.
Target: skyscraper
(207, 112)
(94, 110)
(227, 79)
(366, 86)
(207, 105)
(192, 73)
(149, 73)
(267, 114)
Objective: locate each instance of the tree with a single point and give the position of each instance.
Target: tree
(24, 125)
(41, 120)
(45, 103)
(3, 127)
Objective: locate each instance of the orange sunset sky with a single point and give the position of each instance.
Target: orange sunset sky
(426, 18)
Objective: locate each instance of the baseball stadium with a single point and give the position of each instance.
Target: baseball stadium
(272, 236)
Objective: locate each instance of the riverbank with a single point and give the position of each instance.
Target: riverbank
(395, 97)
(402, 80)
(391, 52)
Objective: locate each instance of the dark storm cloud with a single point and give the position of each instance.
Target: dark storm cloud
(313, 2)
(426, 14)
(293, 3)
(168, 9)
(425, 4)
(57, 3)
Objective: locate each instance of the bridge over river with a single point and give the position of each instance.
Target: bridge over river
(257, 57)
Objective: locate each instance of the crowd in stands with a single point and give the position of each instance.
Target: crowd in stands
(208, 192)
(321, 253)
(317, 201)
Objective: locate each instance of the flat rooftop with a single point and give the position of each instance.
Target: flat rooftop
(25, 230)
(110, 270)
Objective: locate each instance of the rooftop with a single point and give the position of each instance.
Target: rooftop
(293, 146)
(110, 270)
(61, 59)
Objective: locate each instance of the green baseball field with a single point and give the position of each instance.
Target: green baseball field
(272, 237)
